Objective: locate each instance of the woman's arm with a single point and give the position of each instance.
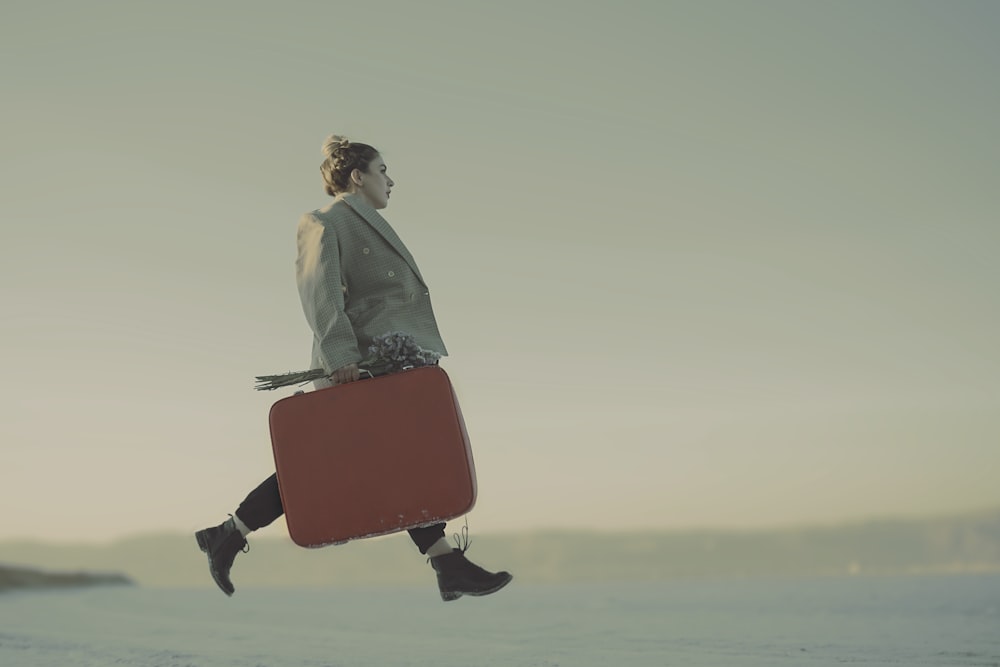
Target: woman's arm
(321, 289)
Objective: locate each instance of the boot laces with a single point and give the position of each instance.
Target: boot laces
(246, 543)
(463, 541)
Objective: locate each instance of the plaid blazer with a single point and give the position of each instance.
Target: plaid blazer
(357, 280)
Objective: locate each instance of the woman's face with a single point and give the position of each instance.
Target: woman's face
(375, 184)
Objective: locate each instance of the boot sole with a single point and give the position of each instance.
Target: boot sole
(449, 596)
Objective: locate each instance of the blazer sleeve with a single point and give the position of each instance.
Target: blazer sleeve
(321, 289)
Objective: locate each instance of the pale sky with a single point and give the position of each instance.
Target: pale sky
(721, 264)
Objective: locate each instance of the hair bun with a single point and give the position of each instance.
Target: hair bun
(334, 144)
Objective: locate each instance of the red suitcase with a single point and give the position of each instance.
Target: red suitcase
(372, 457)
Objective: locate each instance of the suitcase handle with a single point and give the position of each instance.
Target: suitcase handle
(375, 375)
(364, 372)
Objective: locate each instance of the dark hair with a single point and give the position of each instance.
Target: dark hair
(343, 157)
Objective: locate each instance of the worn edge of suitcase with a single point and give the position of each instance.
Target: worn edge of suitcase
(460, 422)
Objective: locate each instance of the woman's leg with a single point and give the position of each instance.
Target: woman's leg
(426, 536)
(262, 505)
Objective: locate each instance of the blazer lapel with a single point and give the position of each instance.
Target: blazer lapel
(381, 225)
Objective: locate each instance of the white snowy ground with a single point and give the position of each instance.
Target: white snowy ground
(866, 621)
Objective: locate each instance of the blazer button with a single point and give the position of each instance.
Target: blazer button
(365, 250)
(392, 274)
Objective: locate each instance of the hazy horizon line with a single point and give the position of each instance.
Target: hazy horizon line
(972, 513)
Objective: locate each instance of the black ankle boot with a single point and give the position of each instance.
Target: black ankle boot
(457, 576)
(222, 543)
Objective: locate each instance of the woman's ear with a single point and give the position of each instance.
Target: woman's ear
(356, 177)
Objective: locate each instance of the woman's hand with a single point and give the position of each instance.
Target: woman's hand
(348, 373)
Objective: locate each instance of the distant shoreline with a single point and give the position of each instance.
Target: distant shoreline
(19, 578)
(936, 545)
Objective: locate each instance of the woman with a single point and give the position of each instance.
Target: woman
(356, 280)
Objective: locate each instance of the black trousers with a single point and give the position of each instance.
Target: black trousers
(263, 505)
